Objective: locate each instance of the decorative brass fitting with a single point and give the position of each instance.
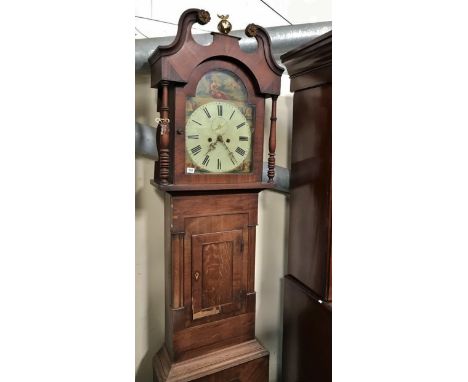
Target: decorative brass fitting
(224, 25)
(203, 17)
(164, 123)
(251, 30)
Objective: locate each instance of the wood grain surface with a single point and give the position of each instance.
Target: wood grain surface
(309, 257)
(308, 286)
(246, 362)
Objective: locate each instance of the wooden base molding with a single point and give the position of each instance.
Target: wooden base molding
(245, 362)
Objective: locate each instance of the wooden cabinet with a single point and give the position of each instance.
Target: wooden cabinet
(210, 265)
(309, 258)
(308, 285)
(210, 296)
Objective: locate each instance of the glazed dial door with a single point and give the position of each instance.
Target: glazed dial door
(218, 138)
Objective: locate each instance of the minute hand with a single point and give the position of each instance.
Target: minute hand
(231, 154)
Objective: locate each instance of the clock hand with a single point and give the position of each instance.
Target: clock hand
(212, 147)
(230, 153)
(220, 139)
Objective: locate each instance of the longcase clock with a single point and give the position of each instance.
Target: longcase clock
(210, 136)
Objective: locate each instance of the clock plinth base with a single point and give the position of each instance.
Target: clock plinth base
(245, 362)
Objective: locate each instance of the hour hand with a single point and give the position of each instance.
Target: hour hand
(212, 147)
(220, 139)
(230, 153)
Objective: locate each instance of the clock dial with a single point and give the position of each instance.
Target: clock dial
(218, 137)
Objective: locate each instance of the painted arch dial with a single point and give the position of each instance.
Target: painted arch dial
(218, 137)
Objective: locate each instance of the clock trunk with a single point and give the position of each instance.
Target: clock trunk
(209, 271)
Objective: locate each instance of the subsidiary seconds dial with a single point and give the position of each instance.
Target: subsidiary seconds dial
(218, 137)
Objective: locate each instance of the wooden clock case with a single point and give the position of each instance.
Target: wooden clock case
(210, 219)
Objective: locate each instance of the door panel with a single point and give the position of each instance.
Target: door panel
(212, 234)
(217, 273)
(217, 265)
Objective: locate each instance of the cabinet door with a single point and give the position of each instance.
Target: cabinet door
(216, 273)
(210, 261)
(217, 264)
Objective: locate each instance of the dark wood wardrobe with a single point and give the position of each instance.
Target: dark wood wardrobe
(308, 284)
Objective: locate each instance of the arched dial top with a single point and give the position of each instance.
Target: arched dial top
(176, 61)
(218, 138)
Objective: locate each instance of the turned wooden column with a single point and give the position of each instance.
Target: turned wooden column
(164, 139)
(272, 141)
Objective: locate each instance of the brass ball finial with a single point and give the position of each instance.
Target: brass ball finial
(251, 30)
(224, 25)
(203, 17)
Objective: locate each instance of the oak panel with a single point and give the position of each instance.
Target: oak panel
(217, 274)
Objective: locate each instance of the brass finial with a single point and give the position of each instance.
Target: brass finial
(224, 25)
(251, 30)
(203, 17)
